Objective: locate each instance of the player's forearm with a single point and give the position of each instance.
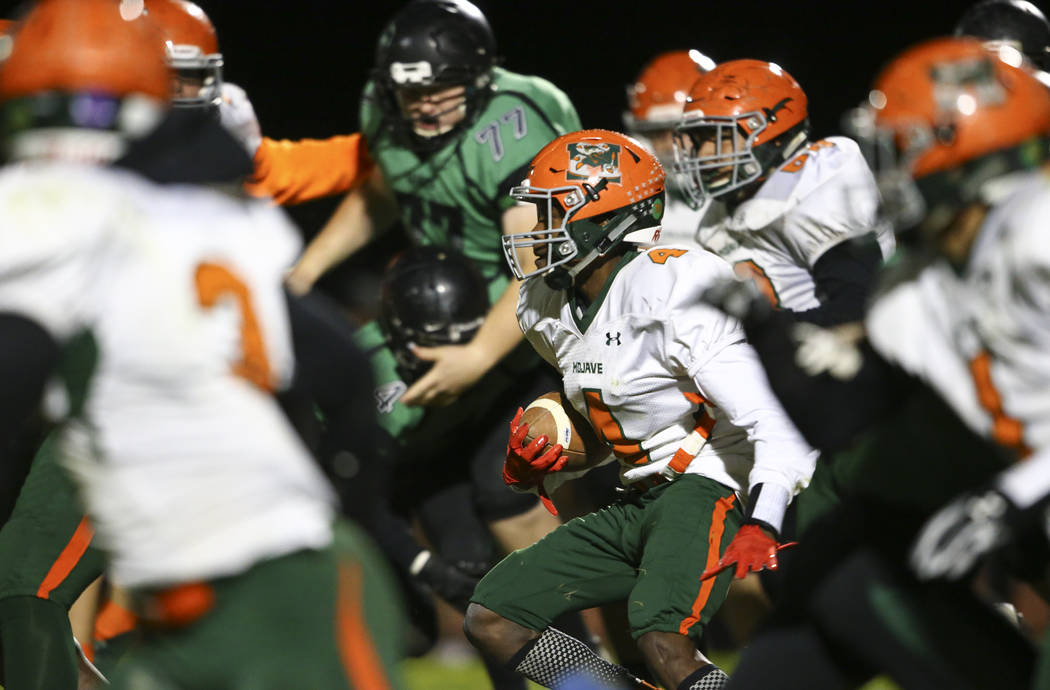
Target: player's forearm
(363, 214)
(296, 171)
(500, 333)
(735, 382)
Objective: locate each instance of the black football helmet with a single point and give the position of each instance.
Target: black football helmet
(1018, 23)
(430, 296)
(434, 43)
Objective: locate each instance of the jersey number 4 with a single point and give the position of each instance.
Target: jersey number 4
(215, 282)
(660, 256)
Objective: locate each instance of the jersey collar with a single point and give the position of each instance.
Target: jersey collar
(583, 321)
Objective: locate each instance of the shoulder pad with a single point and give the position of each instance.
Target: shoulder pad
(674, 278)
(829, 178)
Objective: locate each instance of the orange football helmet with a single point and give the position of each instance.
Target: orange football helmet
(741, 119)
(84, 45)
(657, 96)
(593, 189)
(80, 80)
(937, 115)
(192, 48)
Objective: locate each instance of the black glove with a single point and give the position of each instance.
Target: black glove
(447, 581)
(962, 533)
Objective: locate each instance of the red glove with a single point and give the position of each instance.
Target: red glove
(751, 551)
(523, 469)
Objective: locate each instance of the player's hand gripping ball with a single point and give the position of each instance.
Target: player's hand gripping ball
(543, 439)
(545, 416)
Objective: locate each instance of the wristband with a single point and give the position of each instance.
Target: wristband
(767, 504)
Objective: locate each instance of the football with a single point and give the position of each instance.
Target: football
(546, 416)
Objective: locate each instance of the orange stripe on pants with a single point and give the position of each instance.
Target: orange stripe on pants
(358, 651)
(68, 559)
(714, 541)
(113, 620)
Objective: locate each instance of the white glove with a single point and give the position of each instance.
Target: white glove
(238, 117)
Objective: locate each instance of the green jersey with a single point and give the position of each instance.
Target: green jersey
(456, 196)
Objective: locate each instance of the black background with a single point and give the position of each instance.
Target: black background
(304, 63)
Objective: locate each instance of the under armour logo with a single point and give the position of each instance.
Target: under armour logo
(610, 338)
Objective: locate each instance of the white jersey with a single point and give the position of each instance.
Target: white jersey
(188, 468)
(648, 363)
(820, 198)
(980, 337)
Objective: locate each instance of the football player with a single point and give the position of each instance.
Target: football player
(451, 133)
(433, 296)
(661, 379)
(796, 219)
(948, 383)
(799, 216)
(289, 172)
(655, 101)
(165, 309)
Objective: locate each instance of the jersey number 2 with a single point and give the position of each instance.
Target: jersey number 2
(214, 282)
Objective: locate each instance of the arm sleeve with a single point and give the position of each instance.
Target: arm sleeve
(827, 410)
(733, 380)
(844, 276)
(292, 172)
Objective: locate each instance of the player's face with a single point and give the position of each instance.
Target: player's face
(188, 83)
(713, 142)
(433, 110)
(542, 251)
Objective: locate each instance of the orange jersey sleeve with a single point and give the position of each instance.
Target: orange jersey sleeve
(292, 172)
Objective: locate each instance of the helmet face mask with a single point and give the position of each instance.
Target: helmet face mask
(427, 50)
(594, 190)
(741, 120)
(432, 111)
(198, 77)
(191, 47)
(731, 163)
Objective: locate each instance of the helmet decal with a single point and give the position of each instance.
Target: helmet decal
(658, 210)
(595, 190)
(965, 79)
(588, 160)
(771, 113)
(411, 72)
